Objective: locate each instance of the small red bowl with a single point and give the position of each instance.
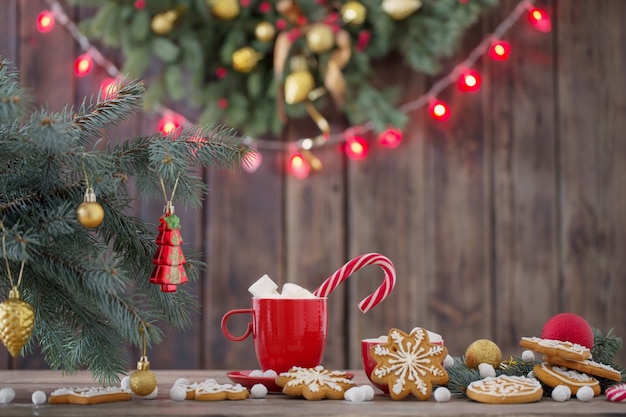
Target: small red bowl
(369, 363)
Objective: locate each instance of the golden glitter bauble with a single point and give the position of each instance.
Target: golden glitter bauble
(265, 31)
(17, 319)
(143, 381)
(245, 59)
(225, 9)
(320, 38)
(298, 85)
(401, 9)
(90, 213)
(483, 351)
(353, 13)
(163, 23)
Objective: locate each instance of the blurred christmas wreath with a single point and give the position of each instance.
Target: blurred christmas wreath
(252, 64)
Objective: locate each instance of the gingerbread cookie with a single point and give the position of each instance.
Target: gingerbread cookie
(566, 350)
(505, 389)
(89, 395)
(587, 366)
(616, 393)
(212, 391)
(314, 383)
(553, 375)
(409, 364)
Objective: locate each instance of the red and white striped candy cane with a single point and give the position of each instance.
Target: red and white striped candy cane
(354, 265)
(616, 393)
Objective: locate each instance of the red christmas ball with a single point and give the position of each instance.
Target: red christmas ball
(568, 327)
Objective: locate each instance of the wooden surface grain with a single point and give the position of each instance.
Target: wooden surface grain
(26, 382)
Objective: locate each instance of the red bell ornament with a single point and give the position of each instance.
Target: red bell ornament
(169, 260)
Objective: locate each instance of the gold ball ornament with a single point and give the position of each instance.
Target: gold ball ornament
(17, 319)
(483, 351)
(265, 31)
(143, 381)
(401, 9)
(225, 9)
(245, 59)
(90, 213)
(320, 38)
(298, 85)
(163, 23)
(353, 13)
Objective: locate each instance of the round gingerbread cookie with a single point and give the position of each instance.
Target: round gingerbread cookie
(616, 393)
(553, 376)
(587, 366)
(505, 389)
(566, 350)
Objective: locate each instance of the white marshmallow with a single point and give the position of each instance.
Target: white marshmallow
(181, 381)
(584, 393)
(125, 383)
(6, 395)
(295, 291)
(257, 373)
(39, 397)
(528, 356)
(258, 391)
(262, 286)
(369, 392)
(177, 393)
(486, 370)
(442, 395)
(448, 361)
(561, 393)
(152, 395)
(270, 373)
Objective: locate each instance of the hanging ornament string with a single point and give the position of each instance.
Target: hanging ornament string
(6, 260)
(169, 207)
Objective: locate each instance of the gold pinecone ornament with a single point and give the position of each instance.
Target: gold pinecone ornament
(401, 9)
(17, 320)
(225, 9)
(245, 59)
(143, 381)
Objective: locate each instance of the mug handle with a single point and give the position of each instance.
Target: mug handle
(225, 327)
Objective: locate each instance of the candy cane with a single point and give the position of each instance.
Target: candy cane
(332, 282)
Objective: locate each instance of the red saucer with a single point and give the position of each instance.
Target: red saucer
(244, 378)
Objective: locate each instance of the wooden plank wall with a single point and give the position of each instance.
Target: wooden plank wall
(512, 211)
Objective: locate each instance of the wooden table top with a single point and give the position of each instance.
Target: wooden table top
(26, 382)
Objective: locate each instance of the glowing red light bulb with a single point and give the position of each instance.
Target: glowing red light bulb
(252, 162)
(45, 21)
(390, 138)
(540, 19)
(439, 110)
(469, 81)
(169, 123)
(356, 147)
(108, 88)
(83, 65)
(500, 50)
(298, 166)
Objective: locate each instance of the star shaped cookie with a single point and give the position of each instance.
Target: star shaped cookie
(409, 364)
(314, 383)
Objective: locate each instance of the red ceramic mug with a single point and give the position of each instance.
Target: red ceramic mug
(287, 331)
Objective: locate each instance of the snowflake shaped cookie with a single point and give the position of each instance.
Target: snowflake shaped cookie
(314, 383)
(409, 364)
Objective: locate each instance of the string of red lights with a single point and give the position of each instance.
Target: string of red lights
(352, 140)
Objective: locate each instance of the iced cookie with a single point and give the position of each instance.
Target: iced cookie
(566, 350)
(505, 390)
(553, 375)
(409, 364)
(587, 366)
(90, 395)
(212, 391)
(314, 383)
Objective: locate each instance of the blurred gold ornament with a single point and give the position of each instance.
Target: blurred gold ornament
(483, 351)
(298, 85)
(225, 9)
(265, 31)
(90, 213)
(143, 381)
(163, 23)
(401, 9)
(353, 13)
(245, 59)
(320, 38)
(17, 319)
